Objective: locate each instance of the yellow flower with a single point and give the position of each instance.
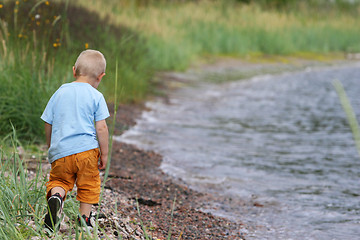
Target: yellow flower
(20, 35)
(47, 3)
(1, 6)
(38, 23)
(55, 45)
(86, 45)
(17, 2)
(15, 10)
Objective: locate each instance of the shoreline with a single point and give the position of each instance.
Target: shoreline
(140, 201)
(166, 205)
(137, 174)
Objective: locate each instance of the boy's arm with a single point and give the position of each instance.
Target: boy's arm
(48, 128)
(103, 138)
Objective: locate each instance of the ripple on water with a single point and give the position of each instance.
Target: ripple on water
(282, 142)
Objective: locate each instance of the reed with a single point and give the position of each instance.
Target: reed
(350, 114)
(22, 197)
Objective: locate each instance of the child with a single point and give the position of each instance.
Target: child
(73, 138)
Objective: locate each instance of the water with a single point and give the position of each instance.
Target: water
(282, 141)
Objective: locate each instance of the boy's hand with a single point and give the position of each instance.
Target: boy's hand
(103, 138)
(48, 128)
(103, 161)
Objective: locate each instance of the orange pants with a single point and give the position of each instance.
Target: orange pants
(80, 168)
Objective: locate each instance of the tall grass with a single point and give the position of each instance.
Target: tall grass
(40, 40)
(180, 33)
(26, 79)
(39, 43)
(18, 199)
(23, 203)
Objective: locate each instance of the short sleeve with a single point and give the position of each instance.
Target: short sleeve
(48, 115)
(102, 111)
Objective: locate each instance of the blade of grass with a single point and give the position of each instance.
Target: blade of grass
(172, 217)
(110, 143)
(354, 125)
(141, 222)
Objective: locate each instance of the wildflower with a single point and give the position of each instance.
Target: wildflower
(86, 45)
(20, 35)
(1, 6)
(55, 45)
(38, 23)
(37, 16)
(17, 2)
(16, 10)
(47, 3)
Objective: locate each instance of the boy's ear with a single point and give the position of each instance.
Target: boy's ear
(74, 72)
(101, 76)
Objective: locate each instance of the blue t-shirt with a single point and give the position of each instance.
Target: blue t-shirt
(72, 112)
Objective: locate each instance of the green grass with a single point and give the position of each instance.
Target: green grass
(22, 196)
(23, 204)
(40, 41)
(180, 33)
(39, 45)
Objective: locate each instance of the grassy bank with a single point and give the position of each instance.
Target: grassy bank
(40, 41)
(22, 199)
(180, 33)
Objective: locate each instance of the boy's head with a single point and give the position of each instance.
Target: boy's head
(90, 63)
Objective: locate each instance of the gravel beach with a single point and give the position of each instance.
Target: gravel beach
(166, 206)
(140, 201)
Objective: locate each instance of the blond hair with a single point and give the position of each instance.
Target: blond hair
(90, 63)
